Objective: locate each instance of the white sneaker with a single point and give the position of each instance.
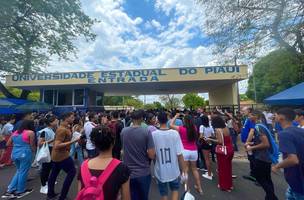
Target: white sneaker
(207, 176)
(44, 189)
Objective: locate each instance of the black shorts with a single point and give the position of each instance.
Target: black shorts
(3, 144)
(206, 146)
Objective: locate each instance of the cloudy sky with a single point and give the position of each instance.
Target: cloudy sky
(142, 34)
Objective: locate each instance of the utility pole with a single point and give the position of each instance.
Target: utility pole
(237, 86)
(254, 86)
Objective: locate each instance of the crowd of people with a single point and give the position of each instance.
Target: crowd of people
(117, 154)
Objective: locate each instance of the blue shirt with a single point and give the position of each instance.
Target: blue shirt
(178, 122)
(279, 128)
(246, 129)
(49, 134)
(292, 142)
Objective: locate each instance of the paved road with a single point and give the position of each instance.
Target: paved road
(244, 189)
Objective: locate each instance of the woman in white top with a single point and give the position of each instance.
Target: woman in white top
(76, 148)
(206, 131)
(47, 135)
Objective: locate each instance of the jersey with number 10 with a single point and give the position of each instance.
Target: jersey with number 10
(168, 146)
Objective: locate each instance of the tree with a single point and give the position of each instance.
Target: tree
(170, 101)
(113, 100)
(153, 106)
(193, 101)
(158, 105)
(33, 96)
(136, 103)
(244, 97)
(149, 106)
(33, 31)
(273, 73)
(248, 25)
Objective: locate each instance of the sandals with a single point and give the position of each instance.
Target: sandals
(200, 191)
(230, 190)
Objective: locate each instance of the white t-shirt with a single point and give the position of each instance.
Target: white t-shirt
(76, 135)
(7, 129)
(168, 146)
(269, 117)
(229, 124)
(88, 126)
(206, 131)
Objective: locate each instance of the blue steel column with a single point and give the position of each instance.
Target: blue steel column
(86, 98)
(41, 94)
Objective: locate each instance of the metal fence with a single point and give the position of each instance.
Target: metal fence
(234, 108)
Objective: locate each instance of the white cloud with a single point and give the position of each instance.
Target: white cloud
(153, 24)
(120, 43)
(138, 20)
(156, 24)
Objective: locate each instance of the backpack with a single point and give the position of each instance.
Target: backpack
(274, 149)
(113, 126)
(116, 127)
(93, 186)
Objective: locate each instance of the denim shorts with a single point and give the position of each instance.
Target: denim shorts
(190, 155)
(163, 187)
(291, 195)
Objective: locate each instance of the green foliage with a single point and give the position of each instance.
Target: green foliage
(122, 100)
(158, 105)
(244, 97)
(153, 106)
(273, 73)
(207, 103)
(32, 31)
(33, 96)
(113, 100)
(193, 101)
(149, 106)
(136, 103)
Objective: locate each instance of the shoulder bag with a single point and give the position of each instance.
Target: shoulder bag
(221, 148)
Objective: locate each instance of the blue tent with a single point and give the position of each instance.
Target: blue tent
(291, 96)
(8, 111)
(17, 101)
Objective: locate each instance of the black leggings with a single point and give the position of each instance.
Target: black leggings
(68, 167)
(45, 172)
(262, 173)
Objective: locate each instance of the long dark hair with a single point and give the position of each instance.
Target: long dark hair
(218, 122)
(149, 118)
(260, 116)
(102, 137)
(190, 127)
(50, 119)
(205, 121)
(26, 125)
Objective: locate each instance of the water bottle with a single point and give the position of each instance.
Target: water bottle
(249, 152)
(183, 178)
